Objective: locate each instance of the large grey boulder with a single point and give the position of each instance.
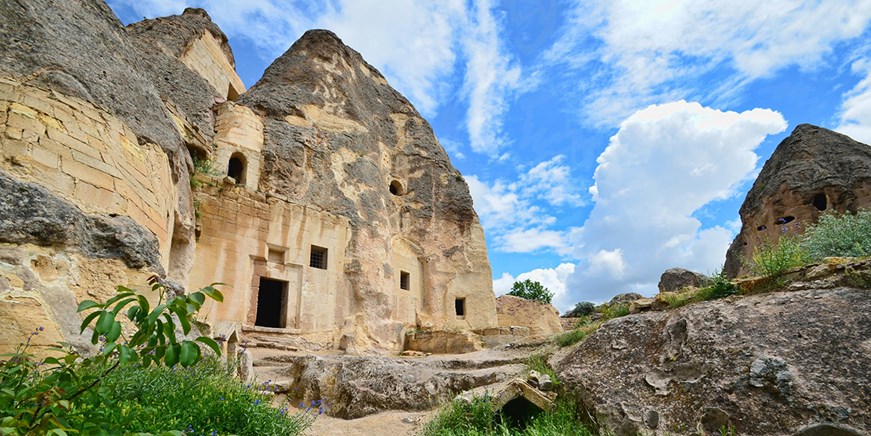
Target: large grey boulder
(675, 279)
(765, 364)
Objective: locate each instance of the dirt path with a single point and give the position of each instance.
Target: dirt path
(391, 423)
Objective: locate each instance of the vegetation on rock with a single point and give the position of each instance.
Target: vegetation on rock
(583, 308)
(531, 290)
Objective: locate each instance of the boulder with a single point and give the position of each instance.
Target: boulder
(675, 279)
(811, 172)
(540, 318)
(764, 364)
(626, 297)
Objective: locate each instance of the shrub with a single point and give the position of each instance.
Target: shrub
(845, 235)
(677, 299)
(577, 335)
(772, 260)
(583, 308)
(91, 394)
(476, 418)
(611, 311)
(720, 287)
(531, 290)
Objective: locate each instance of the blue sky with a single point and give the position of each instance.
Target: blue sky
(603, 141)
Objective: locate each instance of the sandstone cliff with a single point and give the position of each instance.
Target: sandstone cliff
(814, 170)
(342, 220)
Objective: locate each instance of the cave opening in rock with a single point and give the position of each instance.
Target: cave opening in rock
(785, 220)
(460, 307)
(236, 168)
(396, 188)
(271, 300)
(820, 201)
(404, 280)
(518, 412)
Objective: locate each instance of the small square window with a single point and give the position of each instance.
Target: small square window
(404, 280)
(460, 306)
(318, 257)
(275, 256)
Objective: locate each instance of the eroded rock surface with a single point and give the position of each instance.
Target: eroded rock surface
(541, 319)
(357, 386)
(675, 279)
(813, 171)
(764, 364)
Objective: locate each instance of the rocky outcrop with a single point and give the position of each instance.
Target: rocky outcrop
(813, 171)
(541, 319)
(675, 279)
(764, 364)
(625, 298)
(353, 387)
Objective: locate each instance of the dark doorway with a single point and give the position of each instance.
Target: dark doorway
(271, 300)
(236, 168)
(460, 306)
(820, 202)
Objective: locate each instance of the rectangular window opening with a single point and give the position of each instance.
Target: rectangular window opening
(271, 302)
(404, 280)
(318, 257)
(460, 306)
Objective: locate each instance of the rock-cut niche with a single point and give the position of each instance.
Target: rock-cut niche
(236, 168)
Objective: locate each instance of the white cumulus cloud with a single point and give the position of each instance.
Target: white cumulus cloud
(855, 119)
(664, 163)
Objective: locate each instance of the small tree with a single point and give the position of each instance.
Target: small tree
(583, 308)
(531, 290)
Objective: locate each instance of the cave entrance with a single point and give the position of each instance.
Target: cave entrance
(518, 412)
(271, 303)
(820, 201)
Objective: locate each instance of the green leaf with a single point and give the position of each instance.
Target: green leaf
(123, 303)
(198, 298)
(190, 353)
(155, 313)
(87, 304)
(127, 354)
(172, 355)
(114, 333)
(132, 312)
(143, 302)
(108, 348)
(114, 299)
(211, 344)
(88, 320)
(213, 293)
(105, 322)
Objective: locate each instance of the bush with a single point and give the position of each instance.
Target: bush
(478, 419)
(96, 394)
(772, 260)
(720, 287)
(583, 308)
(611, 311)
(846, 235)
(531, 290)
(577, 335)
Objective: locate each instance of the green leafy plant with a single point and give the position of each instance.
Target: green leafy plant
(538, 362)
(577, 335)
(774, 259)
(531, 290)
(41, 396)
(611, 311)
(720, 287)
(477, 418)
(845, 235)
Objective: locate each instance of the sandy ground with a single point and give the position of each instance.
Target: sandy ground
(391, 423)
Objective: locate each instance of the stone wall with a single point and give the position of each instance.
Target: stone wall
(206, 57)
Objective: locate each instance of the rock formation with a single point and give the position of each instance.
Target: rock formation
(675, 279)
(320, 196)
(764, 364)
(541, 319)
(813, 171)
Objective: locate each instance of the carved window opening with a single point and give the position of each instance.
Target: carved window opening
(761, 228)
(820, 201)
(460, 307)
(404, 280)
(271, 303)
(318, 258)
(785, 220)
(236, 168)
(396, 188)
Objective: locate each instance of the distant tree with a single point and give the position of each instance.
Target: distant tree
(531, 290)
(583, 308)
